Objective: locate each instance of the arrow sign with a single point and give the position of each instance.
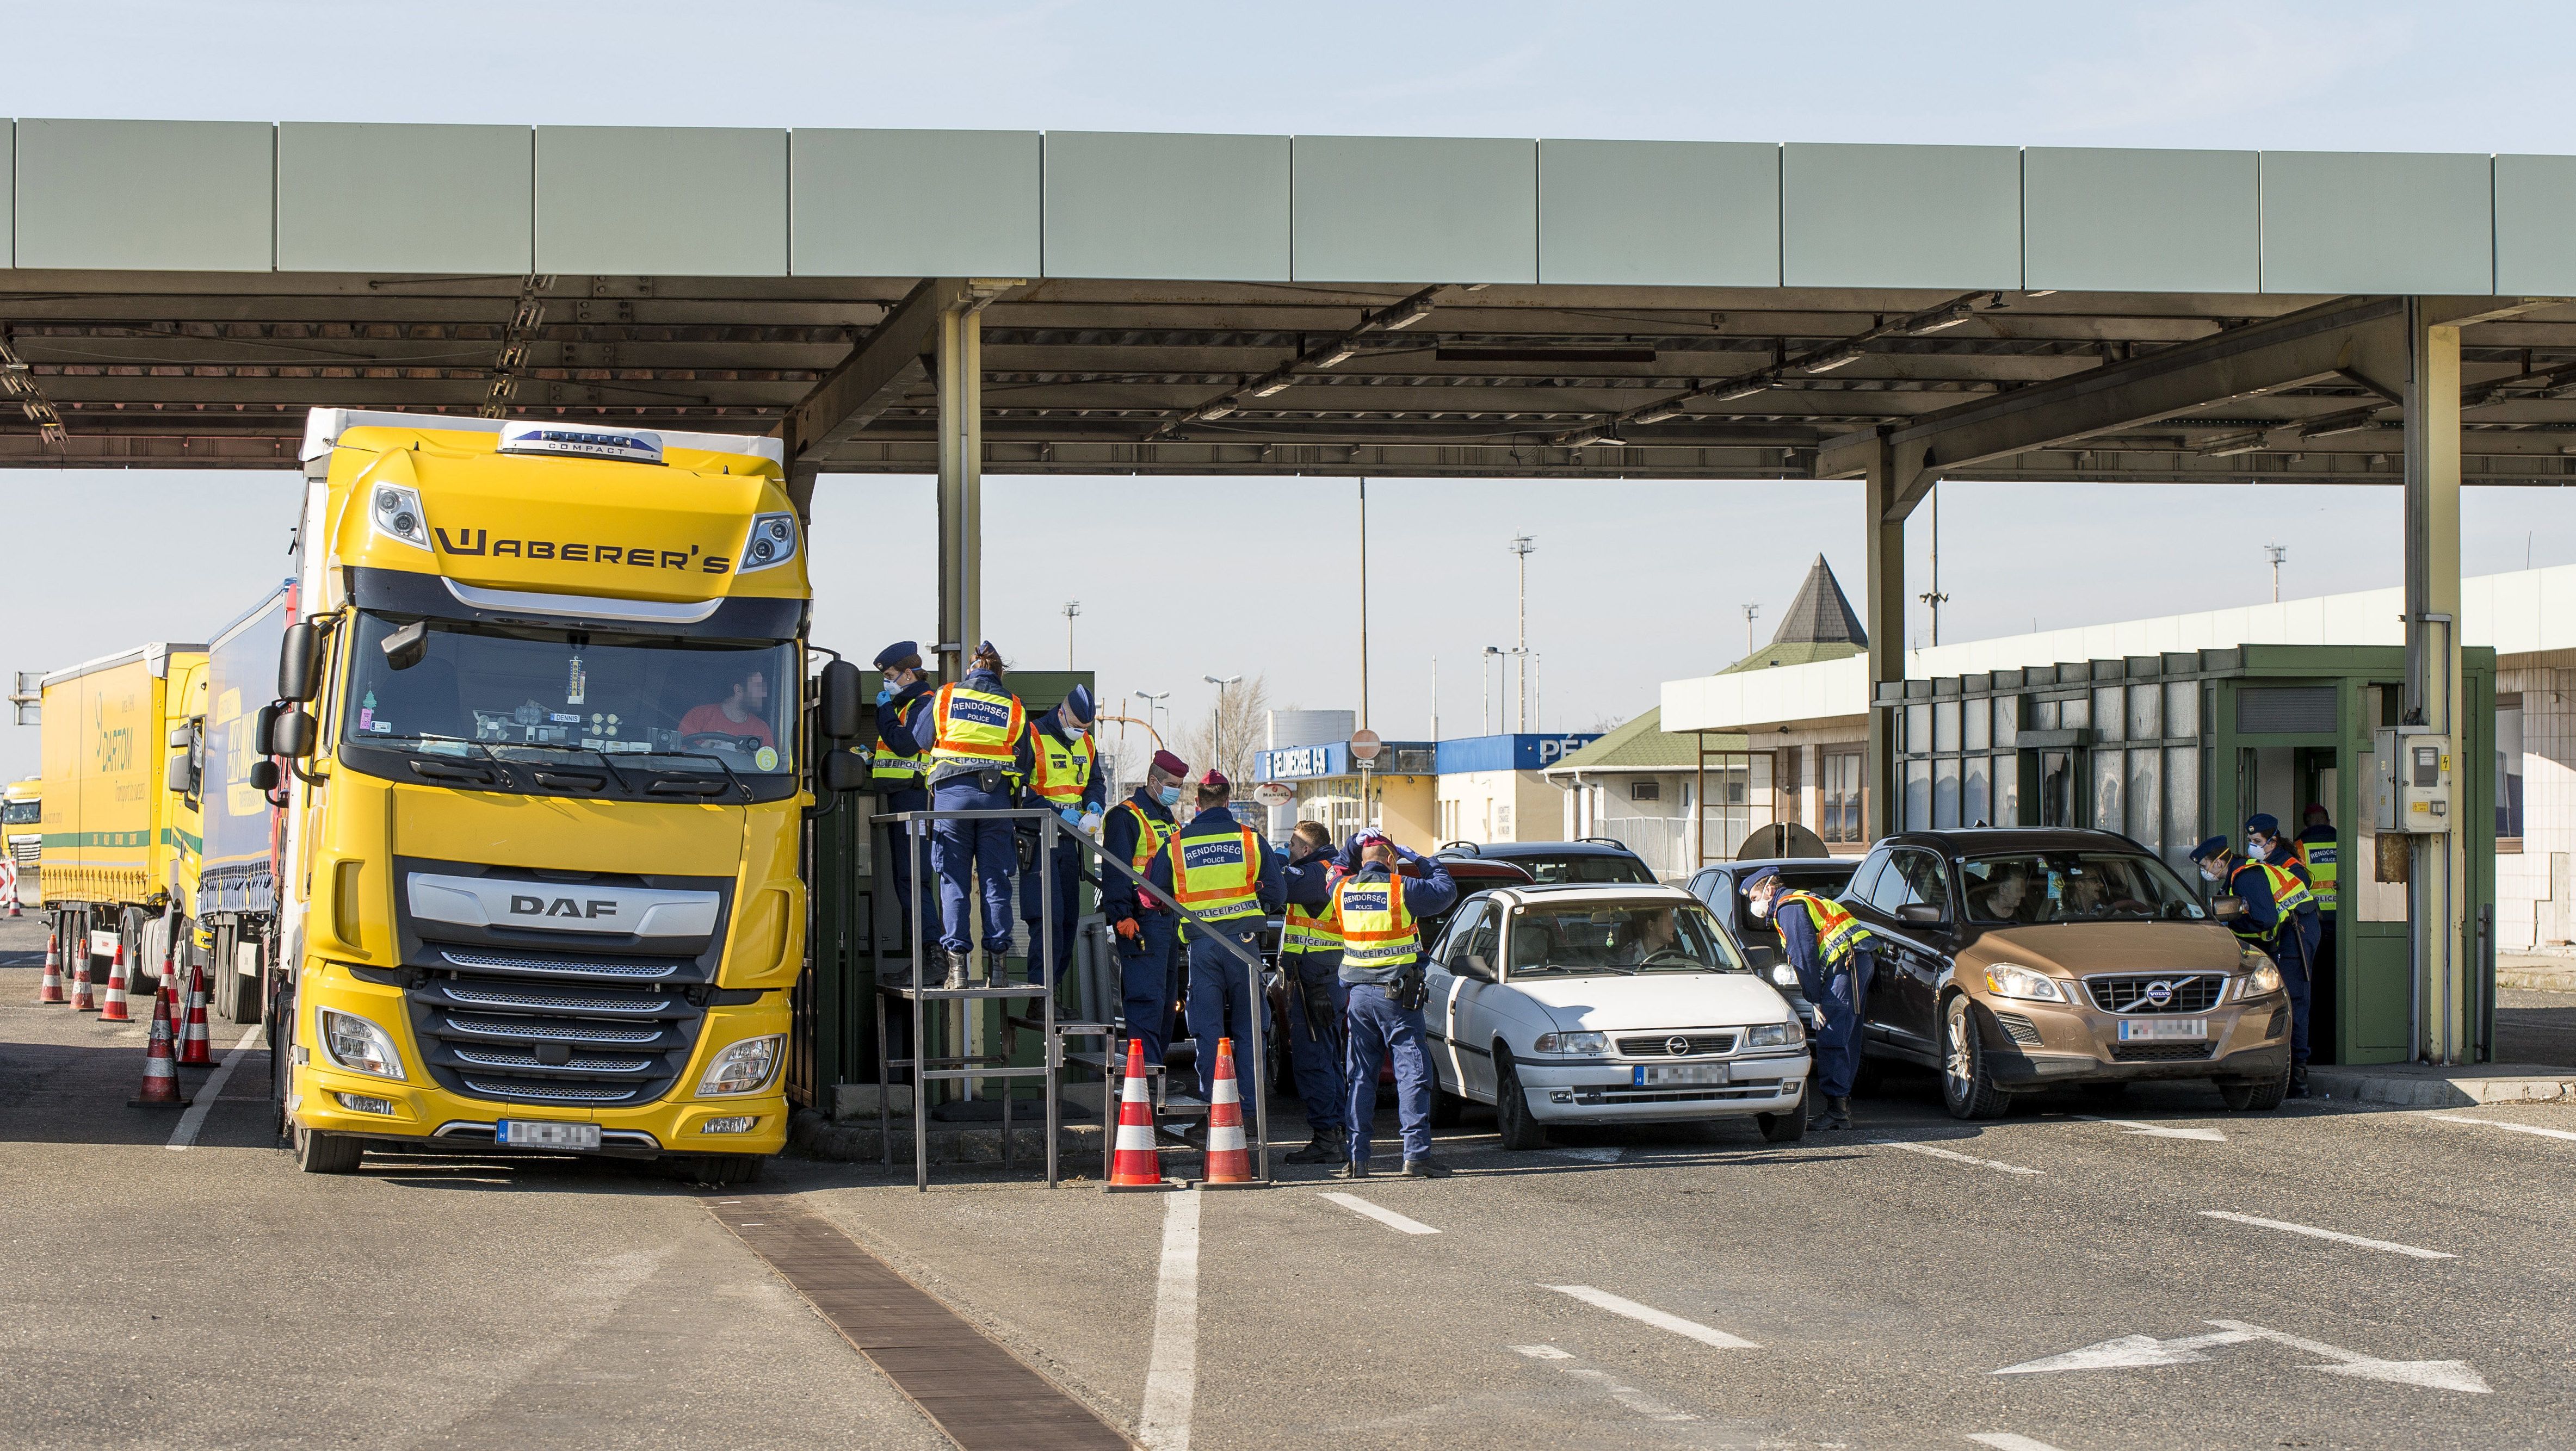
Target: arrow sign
(2126, 1352)
(2441, 1375)
(2160, 1131)
(2138, 1351)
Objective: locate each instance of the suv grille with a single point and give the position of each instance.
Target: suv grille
(2158, 1052)
(1659, 1045)
(2187, 992)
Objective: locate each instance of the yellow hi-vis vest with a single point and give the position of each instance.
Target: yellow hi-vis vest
(1837, 931)
(893, 770)
(975, 727)
(1311, 929)
(1377, 927)
(1062, 772)
(1150, 836)
(2321, 854)
(2289, 894)
(1218, 877)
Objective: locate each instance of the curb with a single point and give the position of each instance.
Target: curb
(2431, 1090)
(813, 1136)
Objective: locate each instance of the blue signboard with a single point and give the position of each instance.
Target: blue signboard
(1529, 751)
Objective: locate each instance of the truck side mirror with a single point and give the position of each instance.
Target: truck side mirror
(843, 708)
(843, 771)
(404, 647)
(263, 727)
(292, 733)
(263, 776)
(182, 775)
(299, 665)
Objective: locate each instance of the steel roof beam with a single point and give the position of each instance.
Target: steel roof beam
(894, 359)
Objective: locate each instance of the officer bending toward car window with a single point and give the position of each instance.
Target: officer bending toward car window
(1310, 958)
(2281, 918)
(1828, 949)
(1376, 910)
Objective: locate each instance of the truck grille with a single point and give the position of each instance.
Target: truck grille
(554, 1092)
(561, 968)
(528, 1040)
(25, 853)
(2185, 992)
(1701, 1043)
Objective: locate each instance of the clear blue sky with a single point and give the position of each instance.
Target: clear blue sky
(1632, 583)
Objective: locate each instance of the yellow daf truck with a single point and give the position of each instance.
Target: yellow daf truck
(121, 814)
(549, 746)
(22, 827)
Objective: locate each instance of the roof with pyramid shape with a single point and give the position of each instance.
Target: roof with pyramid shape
(1819, 625)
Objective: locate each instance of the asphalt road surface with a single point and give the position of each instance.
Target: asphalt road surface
(2160, 1274)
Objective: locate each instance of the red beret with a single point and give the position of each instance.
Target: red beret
(1171, 765)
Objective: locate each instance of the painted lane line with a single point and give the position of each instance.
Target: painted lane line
(1626, 1395)
(1953, 1155)
(1380, 1213)
(2313, 1232)
(1172, 1368)
(1649, 1315)
(2007, 1441)
(2488, 1123)
(194, 1120)
(2161, 1131)
(1543, 1352)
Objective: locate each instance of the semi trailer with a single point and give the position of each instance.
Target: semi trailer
(118, 860)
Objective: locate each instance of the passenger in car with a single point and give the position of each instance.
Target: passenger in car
(2006, 896)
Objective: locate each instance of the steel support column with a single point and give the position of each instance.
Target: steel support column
(961, 485)
(1884, 508)
(2437, 907)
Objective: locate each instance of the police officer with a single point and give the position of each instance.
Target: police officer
(976, 734)
(2281, 918)
(1063, 779)
(1375, 910)
(901, 776)
(1227, 876)
(1829, 950)
(1134, 831)
(2321, 851)
(1310, 957)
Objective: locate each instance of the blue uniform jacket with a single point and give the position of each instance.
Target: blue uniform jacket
(922, 730)
(1308, 882)
(1093, 791)
(1219, 821)
(1118, 839)
(2254, 889)
(899, 735)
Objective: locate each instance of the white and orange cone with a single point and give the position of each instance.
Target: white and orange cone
(82, 1000)
(160, 1075)
(1229, 1160)
(114, 1010)
(1136, 1164)
(51, 989)
(194, 1050)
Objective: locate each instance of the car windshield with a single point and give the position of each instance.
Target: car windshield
(1622, 938)
(2074, 886)
(1587, 867)
(511, 694)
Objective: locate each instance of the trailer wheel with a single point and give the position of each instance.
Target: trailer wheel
(317, 1153)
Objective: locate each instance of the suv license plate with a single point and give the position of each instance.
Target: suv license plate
(1645, 1077)
(536, 1134)
(2143, 1030)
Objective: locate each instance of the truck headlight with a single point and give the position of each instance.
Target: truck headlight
(2262, 982)
(396, 514)
(1775, 1035)
(743, 1067)
(352, 1042)
(1579, 1044)
(772, 542)
(2009, 981)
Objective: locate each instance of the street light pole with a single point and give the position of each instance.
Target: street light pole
(1522, 544)
(1933, 596)
(1216, 732)
(1071, 609)
(2276, 553)
(1152, 699)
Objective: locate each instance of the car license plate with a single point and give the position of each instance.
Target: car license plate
(2144, 1030)
(1646, 1077)
(537, 1134)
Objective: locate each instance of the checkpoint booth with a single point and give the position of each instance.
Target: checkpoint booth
(2170, 749)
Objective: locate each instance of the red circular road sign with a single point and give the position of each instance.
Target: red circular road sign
(1365, 744)
(1274, 793)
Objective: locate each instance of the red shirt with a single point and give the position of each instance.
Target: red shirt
(710, 719)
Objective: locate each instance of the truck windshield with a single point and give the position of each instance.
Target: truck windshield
(22, 813)
(509, 694)
(2073, 886)
(1620, 939)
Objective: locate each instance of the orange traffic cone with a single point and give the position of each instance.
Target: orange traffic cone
(160, 1076)
(1136, 1165)
(114, 1009)
(82, 1001)
(51, 989)
(1229, 1163)
(194, 1050)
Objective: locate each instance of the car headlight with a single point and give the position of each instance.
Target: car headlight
(1775, 1035)
(353, 1043)
(1575, 1043)
(2009, 981)
(1784, 975)
(743, 1067)
(2262, 982)
(397, 515)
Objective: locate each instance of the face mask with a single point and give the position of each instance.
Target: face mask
(2254, 849)
(2208, 874)
(1169, 796)
(1760, 908)
(1073, 732)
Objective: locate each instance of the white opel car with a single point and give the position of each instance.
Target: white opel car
(1607, 1005)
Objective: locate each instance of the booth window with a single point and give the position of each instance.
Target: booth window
(1842, 804)
(1645, 790)
(2508, 778)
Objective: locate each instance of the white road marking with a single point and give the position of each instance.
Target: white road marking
(2161, 1131)
(1172, 1368)
(1660, 1319)
(2313, 1232)
(1381, 1214)
(194, 1120)
(1544, 1352)
(2136, 1351)
(2007, 1441)
(2488, 1123)
(1626, 1395)
(1953, 1155)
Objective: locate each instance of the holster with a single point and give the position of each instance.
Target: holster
(1412, 988)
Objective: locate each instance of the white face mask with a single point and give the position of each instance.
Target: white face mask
(1073, 732)
(2208, 873)
(1759, 907)
(2254, 849)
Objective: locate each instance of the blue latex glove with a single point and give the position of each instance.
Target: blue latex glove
(1072, 816)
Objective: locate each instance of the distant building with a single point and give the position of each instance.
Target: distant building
(1642, 787)
(1494, 788)
(1394, 795)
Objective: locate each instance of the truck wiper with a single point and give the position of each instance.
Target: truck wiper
(605, 764)
(739, 783)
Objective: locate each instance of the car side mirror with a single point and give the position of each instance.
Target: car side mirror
(1921, 914)
(263, 776)
(1477, 966)
(840, 706)
(299, 664)
(842, 771)
(293, 733)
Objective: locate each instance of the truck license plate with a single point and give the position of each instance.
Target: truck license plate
(2142, 1030)
(1646, 1077)
(536, 1134)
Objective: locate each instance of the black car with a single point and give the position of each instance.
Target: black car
(1722, 888)
(1593, 860)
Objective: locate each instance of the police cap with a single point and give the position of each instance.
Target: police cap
(1767, 874)
(2215, 846)
(897, 653)
(2263, 823)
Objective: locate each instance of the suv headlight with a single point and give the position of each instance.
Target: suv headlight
(353, 1043)
(396, 514)
(2262, 982)
(1580, 1044)
(2009, 981)
(743, 1067)
(1775, 1035)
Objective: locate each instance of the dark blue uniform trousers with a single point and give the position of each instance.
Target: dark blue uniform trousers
(907, 901)
(1221, 1006)
(1318, 1059)
(1068, 868)
(1145, 983)
(983, 848)
(2293, 948)
(1838, 1042)
(1377, 1027)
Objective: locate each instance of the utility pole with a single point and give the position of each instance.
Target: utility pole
(1493, 657)
(1522, 544)
(1749, 612)
(1364, 606)
(1071, 609)
(1933, 596)
(1435, 698)
(1216, 732)
(2276, 553)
